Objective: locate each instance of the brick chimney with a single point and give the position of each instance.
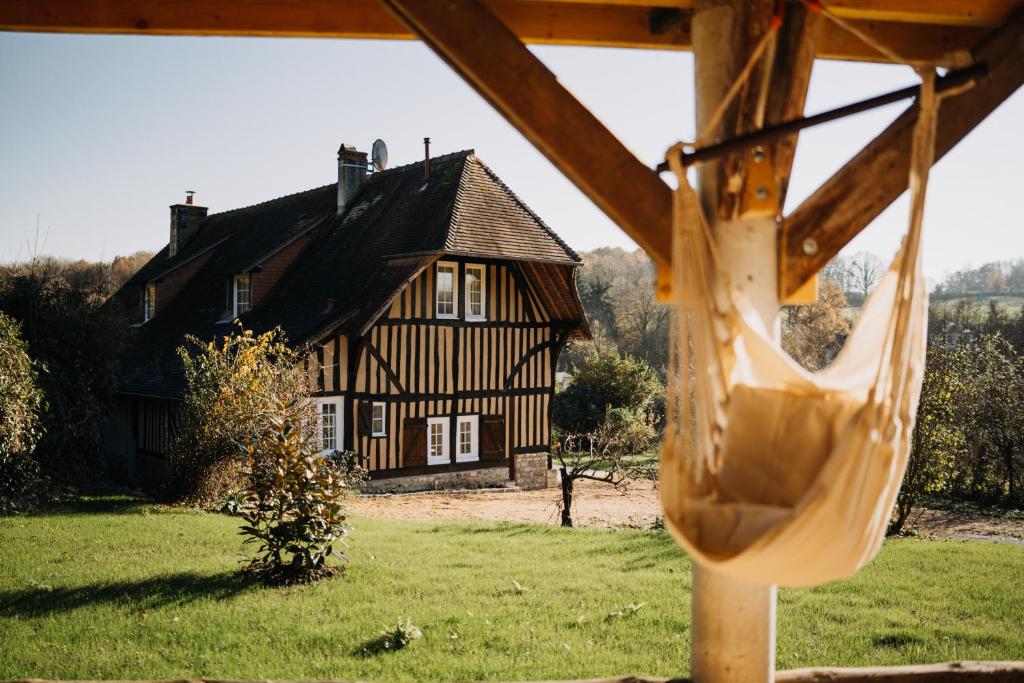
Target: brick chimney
(351, 174)
(185, 221)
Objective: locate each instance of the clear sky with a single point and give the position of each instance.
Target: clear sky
(98, 135)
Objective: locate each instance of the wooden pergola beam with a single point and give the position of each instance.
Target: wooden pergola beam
(541, 22)
(855, 195)
(488, 55)
(605, 23)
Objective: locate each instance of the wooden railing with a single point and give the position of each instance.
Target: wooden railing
(950, 672)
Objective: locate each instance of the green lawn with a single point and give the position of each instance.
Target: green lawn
(114, 589)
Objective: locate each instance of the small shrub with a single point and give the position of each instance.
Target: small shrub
(292, 505)
(394, 639)
(351, 467)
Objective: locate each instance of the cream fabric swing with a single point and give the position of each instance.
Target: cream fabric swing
(769, 473)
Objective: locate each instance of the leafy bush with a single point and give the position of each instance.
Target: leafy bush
(79, 341)
(603, 381)
(292, 503)
(232, 388)
(20, 404)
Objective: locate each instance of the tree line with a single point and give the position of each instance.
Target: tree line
(62, 343)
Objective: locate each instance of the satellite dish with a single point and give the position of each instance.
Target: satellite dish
(380, 155)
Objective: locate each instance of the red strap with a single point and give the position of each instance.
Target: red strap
(814, 6)
(777, 14)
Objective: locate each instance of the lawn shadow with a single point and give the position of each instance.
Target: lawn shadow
(96, 505)
(146, 594)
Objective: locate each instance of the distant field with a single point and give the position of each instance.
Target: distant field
(1011, 303)
(123, 590)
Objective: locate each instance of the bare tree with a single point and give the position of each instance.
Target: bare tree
(605, 455)
(865, 270)
(839, 271)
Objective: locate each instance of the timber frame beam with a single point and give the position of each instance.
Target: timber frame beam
(924, 30)
(848, 201)
(489, 56)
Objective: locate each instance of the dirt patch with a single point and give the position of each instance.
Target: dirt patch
(966, 524)
(601, 505)
(594, 504)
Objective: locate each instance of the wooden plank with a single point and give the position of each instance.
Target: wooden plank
(916, 42)
(547, 22)
(478, 46)
(610, 23)
(791, 77)
(990, 13)
(846, 203)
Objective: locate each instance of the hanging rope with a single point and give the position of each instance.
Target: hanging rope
(817, 7)
(741, 80)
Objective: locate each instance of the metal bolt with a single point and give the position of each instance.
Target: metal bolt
(758, 154)
(761, 192)
(810, 246)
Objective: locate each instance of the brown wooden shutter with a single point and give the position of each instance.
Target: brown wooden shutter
(492, 437)
(365, 418)
(414, 442)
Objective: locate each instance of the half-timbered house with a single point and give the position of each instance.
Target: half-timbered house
(434, 301)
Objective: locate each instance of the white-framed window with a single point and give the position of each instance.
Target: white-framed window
(148, 302)
(437, 441)
(446, 282)
(467, 438)
(330, 424)
(241, 294)
(476, 292)
(378, 419)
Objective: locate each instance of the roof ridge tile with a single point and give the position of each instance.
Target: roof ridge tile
(257, 205)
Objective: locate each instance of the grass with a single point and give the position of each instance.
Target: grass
(120, 589)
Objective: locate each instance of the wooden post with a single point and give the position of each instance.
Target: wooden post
(733, 625)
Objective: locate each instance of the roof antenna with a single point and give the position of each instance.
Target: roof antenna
(426, 162)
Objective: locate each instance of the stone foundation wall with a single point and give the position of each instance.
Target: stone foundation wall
(532, 471)
(466, 479)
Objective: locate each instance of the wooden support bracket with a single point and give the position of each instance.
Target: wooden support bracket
(846, 203)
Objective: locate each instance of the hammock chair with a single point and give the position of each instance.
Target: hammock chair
(769, 473)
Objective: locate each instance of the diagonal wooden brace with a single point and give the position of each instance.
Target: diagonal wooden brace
(848, 201)
(480, 48)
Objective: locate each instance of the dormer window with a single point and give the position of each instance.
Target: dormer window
(446, 285)
(241, 295)
(475, 293)
(148, 302)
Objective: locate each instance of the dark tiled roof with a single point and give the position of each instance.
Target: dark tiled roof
(353, 265)
(492, 220)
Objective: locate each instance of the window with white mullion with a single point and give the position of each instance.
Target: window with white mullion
(468, 438)
(437, 441)
(475, 293)
(148, 302)
(446, 284)
(330, 427)
(378, 420)
(242, 294)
